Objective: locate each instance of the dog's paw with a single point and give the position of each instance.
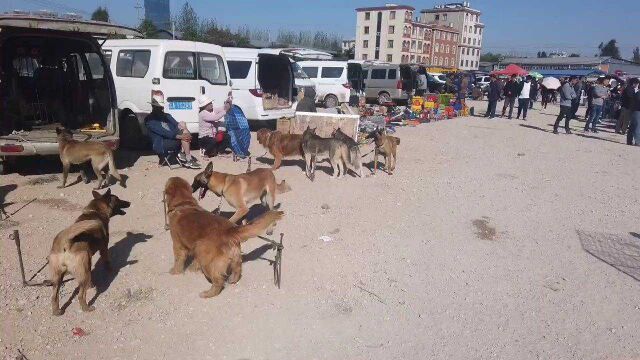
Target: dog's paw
(57, 312)
(88, 308)
(233, 278)
(175, 271)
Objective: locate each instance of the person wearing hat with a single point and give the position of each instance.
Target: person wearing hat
(212, 138)
(169, 135)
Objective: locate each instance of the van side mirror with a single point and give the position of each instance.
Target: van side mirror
(294, 93)
(230, 82)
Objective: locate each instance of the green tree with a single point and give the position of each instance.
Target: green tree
(490, 57)
(574, 55)
(610, 49)
(188, 23)
(147, 29)
(636, 55)
(100, 14)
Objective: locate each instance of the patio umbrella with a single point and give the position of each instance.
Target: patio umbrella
(511, 69)
(536, 75)
(551, 83)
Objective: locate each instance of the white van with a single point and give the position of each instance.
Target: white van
(331, 78)
(439, 77)
(180, 71)
(263, 82)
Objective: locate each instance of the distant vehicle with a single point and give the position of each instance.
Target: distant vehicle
(178, 71)
(301, 78)
(54, 74)
(386, 82)
(264, 82)
(483, 81)
(331, 78)
(439, 77)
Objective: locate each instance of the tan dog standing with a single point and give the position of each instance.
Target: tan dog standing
(74, 246)
(78, 152)
(280, 145)
(212, 240)
(242, 190)
(386, 145)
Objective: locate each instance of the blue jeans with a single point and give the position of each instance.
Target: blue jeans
(633, 135)
(594, 117)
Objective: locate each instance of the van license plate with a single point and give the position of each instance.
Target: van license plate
(180, 105)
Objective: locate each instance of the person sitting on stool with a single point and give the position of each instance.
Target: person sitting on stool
(168, 135)
(213, 139)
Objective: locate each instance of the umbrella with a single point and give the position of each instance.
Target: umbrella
(511, 69)
(536, 75)
(238, 129)
(551, 83)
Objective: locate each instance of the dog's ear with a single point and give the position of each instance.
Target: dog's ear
(58, 130)
(107, 193)
(96, 195)
(208, 170)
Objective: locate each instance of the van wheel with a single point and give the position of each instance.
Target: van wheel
(3, 167)
(130, 133)
(330, 101)
(384, 98)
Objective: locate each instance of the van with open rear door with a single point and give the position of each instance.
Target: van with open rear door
(264, 84)
(52, 73)
(179, 71)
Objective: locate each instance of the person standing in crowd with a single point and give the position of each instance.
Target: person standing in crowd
(510, 93)
(211, 138)
(633, 135)
(587, 91)
(493, 97)
(545, 96)
(575, 103)
(534, 92)
(567, 95)
(464, 88)
(598, 94)
(625, 110)
(524, 91)
(421, 89)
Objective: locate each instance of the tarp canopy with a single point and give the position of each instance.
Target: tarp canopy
(577, 72)
(511, 69)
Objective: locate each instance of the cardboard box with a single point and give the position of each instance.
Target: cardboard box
(324, 123)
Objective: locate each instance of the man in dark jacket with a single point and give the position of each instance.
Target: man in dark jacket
(494, 96)
(167, 135)
(567, 95)
(510, 92)
(308, 101)
(633, 135)
(575, 103)
(533, 93)
(625, 111)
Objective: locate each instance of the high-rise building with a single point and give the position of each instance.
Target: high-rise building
(390, 33)
(464, 19)
(159, 13)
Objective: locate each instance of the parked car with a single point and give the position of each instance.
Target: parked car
(54, 74)
(178, 71)
(264, 84)
(301, 78)
(439, 77)
(388, 82)
(483, 81)
(331, 78)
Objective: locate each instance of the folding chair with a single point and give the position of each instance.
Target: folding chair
(166, 160)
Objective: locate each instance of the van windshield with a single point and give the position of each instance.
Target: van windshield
(298, 73)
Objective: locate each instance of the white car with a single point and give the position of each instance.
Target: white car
(483, 81)
(439, 77)
(331, 79)
(263, 80)
(178, 71)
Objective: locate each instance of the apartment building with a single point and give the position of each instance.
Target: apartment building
(390, 33)
(466, 20)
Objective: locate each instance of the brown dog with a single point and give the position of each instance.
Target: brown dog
(78, 152)
(74, 246)
(386, 145)
(280, 145)
(240, 190)
(212, 240)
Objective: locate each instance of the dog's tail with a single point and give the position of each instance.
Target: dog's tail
(113, 171)
(69, 234)
(282, 188)
(397, 139)
(257, 226)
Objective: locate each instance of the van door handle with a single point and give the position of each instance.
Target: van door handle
(202, 90)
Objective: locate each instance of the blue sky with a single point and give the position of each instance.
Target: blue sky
(519, 26)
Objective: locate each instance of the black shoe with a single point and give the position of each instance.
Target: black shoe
(524, 119)
(594, 131)
(555, 131)
(509, 118)
(568, 131)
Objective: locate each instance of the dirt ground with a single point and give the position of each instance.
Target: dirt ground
(493, 239)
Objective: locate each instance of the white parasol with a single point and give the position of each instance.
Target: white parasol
(551, 83)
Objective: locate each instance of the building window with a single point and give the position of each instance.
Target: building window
(414, 31)
(366, 30)
(365, 44)
(474, 41)
(446, 61)
(461, 63)
(475, 30)
(390, 44)
(480, 31)
(389, 58)
(420, 32)
(446, 49)
(466, 63)
(437, 47)
(479, 41)
(413, 44)
(367, 16)
(392, 15)
(437, 34)
(455, 37)
(476, 64)
(392, 29)
(419, 45)
(364, 56)
(413, 58)
(466, 16)
(419, 59)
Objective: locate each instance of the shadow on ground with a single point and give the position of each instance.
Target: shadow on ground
(621, 252)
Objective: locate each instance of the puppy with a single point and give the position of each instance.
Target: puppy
(212, 240)
(280, 145)
(386, 145)
(314, 146)
(74, 246)
(77, 152)
(354, 162)
(240, 190)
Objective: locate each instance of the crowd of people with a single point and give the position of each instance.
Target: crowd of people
(604, 98)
